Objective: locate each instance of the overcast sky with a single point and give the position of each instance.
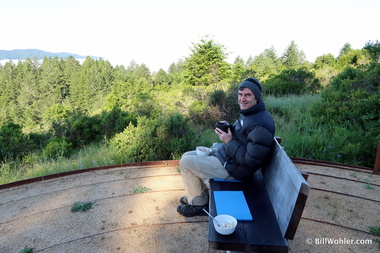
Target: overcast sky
(158, 33)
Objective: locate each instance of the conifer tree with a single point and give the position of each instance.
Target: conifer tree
(91, 88)
(51, 84)
(238, 69)
(8, 92)
(293, 56)
(266, 64)
(28, 111)
(345, 50)
(373, 48)
(206, 65)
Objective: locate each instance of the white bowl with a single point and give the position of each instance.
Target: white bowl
(227, 224)
(203, 151)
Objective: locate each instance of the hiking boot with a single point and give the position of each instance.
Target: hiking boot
(183, 200)
(190, 210)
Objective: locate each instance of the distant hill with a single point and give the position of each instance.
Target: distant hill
(22, 54)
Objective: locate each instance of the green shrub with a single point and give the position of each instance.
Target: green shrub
(57, 147)
(56, 113)
(352, 101)
(292, 82)
(84, 130)
(136, 143)
(115, 121)
(353, 97)
(162, 138)
(14, 143)
(81, 129)
(198, 111)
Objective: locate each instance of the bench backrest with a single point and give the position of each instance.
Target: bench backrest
(287, 189)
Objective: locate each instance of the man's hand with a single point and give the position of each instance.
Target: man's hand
(223, 136)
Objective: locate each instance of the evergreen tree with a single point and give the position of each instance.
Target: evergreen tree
(249, 67)
(90, 90)
(143, 71)
(292, 56)
(239, 70)
(120, 73)
(28, 111)
(266, 64)
(51, 86)
(345, 50)
(373, 48)
(174, 72)
(71, 72)
(161, 77)
(206, 65)
(8, 92)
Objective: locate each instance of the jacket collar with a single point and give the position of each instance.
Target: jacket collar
(254, 109)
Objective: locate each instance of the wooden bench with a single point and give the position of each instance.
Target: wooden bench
(276, 196)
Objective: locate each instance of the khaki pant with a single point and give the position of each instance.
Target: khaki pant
(196, 173)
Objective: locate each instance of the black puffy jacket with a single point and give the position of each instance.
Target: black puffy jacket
(251, 144)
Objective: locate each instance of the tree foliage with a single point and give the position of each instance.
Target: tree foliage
(266, 65)
(161, 138)
(14, 143)
(207, 64)
(292, 56)
(373, 48)
(56, 106)
(345, 50)
(292, 81)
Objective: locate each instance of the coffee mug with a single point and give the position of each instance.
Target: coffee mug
(223, 126)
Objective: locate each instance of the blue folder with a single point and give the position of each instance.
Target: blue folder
(232, 203)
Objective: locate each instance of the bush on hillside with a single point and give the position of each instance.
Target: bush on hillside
(352, 98)
(14, 143)
(353, 101)
(292, 82)
(154, 139)
(57, 147)
(81, 129)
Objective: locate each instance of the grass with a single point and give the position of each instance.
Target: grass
(374, 229)
(81, 206)
(141, 189)
(369, 187)
(27, 250)
(34, 166)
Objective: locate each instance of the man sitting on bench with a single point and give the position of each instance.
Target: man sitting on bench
(246, 146)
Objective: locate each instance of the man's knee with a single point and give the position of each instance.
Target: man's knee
(186, 162)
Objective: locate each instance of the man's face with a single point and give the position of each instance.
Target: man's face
(246, 99)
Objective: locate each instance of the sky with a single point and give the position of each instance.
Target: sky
(159, 33)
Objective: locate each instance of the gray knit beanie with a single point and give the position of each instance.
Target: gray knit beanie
(254, 85)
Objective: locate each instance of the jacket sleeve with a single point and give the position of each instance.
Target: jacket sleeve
(253, 153)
